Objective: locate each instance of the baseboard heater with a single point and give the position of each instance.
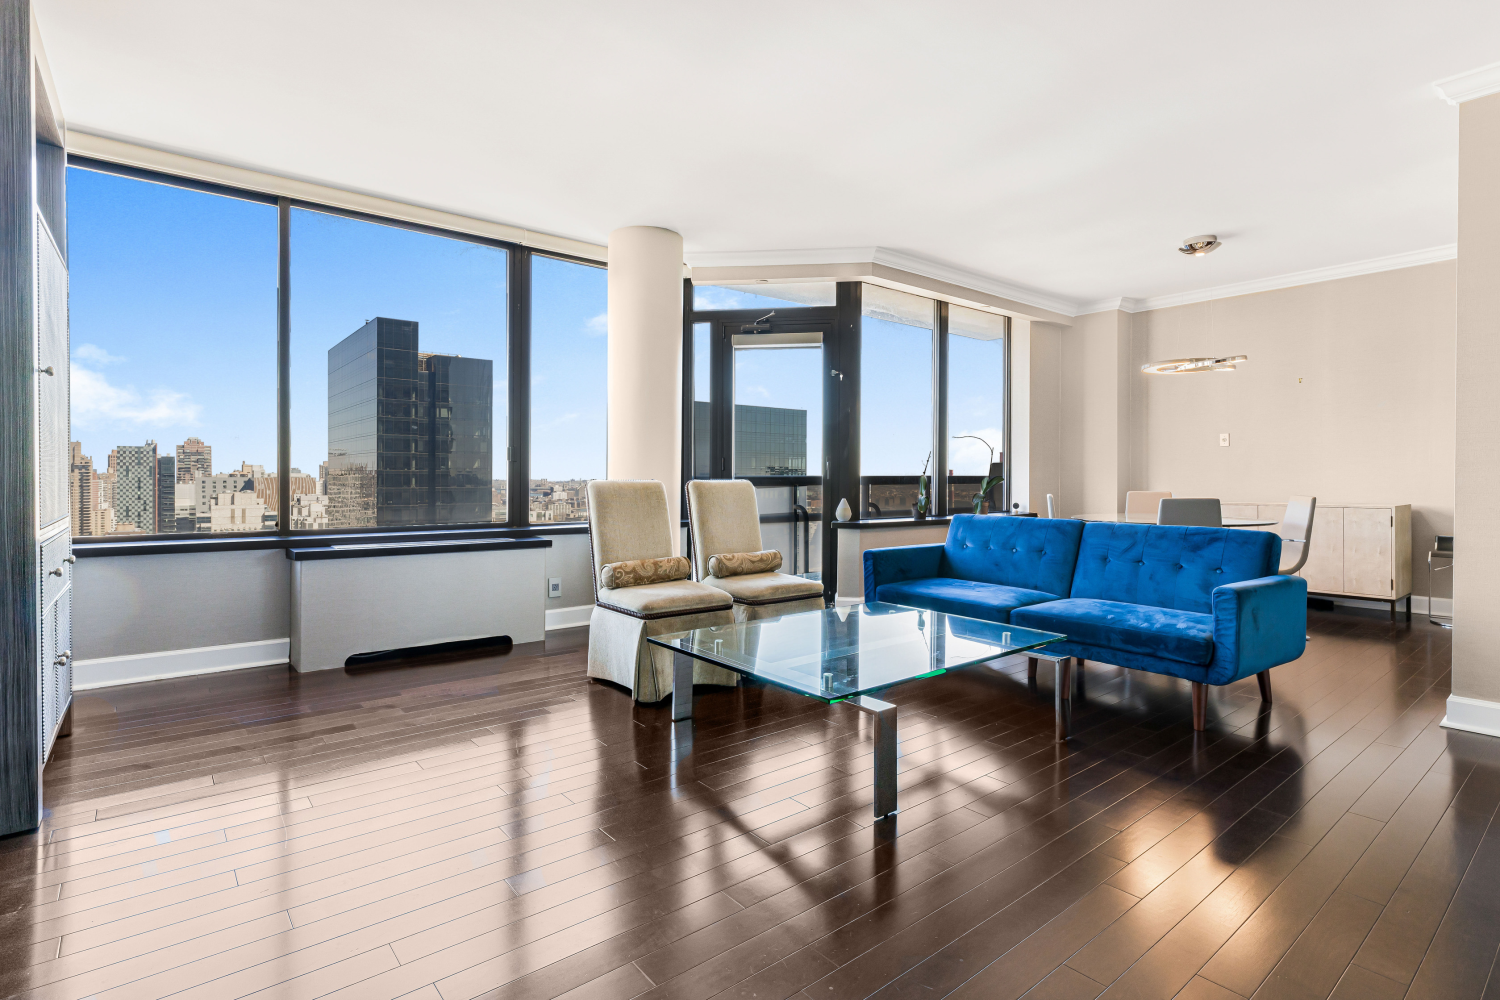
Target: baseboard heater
(384, 657)
(413, 598)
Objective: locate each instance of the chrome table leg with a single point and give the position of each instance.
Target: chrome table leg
(885, 752)
(682, 687)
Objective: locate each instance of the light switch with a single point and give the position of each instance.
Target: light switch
(1223, 440)
(554, 586)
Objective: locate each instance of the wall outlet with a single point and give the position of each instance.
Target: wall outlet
(554, 586)
(1223, 440)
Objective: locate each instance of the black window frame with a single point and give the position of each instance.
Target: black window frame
(518, 377)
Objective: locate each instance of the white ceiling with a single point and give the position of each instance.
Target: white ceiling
(1065, 147)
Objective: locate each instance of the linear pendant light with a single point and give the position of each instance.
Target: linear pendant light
(1183, 366)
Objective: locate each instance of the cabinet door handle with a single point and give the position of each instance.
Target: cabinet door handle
(71, 559)
(55, 572)
(47, 371)
(63, 657)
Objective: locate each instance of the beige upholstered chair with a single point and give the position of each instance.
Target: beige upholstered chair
(724, 520)
(628, 520)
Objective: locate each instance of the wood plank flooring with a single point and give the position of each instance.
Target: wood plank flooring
(501, 827)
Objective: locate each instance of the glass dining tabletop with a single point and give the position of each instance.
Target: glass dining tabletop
(844, 652)
(1123, 518)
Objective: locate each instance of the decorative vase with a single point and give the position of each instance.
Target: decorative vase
(843, 513)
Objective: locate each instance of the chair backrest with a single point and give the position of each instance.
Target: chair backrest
(1442, 545)
(1169, 567)
(1195, 512)
(723, 517)
(627, 520)
(1051, 507)
(1296, 533)
(1031, 553)
(1144, 501)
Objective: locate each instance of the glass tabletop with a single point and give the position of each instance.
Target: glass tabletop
(842, 652)
(1123, 518)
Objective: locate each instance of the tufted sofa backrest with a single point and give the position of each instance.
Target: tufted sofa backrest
(1034, 553)
(1169, 567)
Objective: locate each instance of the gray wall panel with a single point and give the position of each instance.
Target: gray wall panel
(149, 604)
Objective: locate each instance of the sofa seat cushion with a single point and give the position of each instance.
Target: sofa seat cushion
(663, 600)
(1184, 636)
(766, 588)
(968, 598)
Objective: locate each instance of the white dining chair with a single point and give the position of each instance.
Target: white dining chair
(1144, 502)
(1296, 533)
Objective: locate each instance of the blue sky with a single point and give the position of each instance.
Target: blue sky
(173, 299)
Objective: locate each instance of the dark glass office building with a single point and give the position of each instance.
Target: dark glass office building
(409, 434)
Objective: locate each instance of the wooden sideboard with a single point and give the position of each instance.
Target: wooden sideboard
(1358, 550)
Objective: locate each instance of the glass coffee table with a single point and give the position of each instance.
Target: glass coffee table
(844, 654)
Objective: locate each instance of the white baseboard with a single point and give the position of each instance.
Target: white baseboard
(109, 671)
(569, 617)
(1473, 715)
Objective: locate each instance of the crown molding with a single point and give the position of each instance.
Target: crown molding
(884, 256)
(1375, 265)
(1480, 82)
(1122, 303)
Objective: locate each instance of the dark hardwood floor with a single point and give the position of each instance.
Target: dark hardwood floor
(501, 827)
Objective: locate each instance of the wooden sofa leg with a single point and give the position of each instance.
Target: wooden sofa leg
(1264, 678)
(1031, 670)
(1200, 706)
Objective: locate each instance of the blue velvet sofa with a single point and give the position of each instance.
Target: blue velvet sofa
(1203, 604)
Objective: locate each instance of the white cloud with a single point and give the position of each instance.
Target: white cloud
(95, 400)
(598, 325)
(96, 354)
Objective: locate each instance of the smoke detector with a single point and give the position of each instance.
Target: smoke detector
(1198, 246)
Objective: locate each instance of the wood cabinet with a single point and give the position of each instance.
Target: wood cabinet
(1358, 550)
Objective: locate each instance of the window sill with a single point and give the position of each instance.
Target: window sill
(891, 522)
(86, 547)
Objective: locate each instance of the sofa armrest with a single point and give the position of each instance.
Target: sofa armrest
(903, 562)
(1258, 624)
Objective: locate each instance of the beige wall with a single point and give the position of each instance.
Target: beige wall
(1370, 421)
(1095, 400)
(1476, 584)
(1036, 413)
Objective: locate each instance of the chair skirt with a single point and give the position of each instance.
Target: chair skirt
(619, 652)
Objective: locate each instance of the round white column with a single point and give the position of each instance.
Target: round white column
(645, 359)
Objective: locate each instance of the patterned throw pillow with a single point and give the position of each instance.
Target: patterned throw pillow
(638, 572)
(741, 563)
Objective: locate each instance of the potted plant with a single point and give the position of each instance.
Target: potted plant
(984, 488)
(923, 506)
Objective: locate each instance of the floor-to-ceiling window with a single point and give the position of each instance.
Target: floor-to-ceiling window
(569, 327)
(398, 368)
(896, 443)
(173, 313)
(976, 407)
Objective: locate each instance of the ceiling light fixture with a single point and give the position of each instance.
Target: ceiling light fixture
(1198, 246)
(1184, 366)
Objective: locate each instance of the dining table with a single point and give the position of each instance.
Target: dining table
(1227, 522)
